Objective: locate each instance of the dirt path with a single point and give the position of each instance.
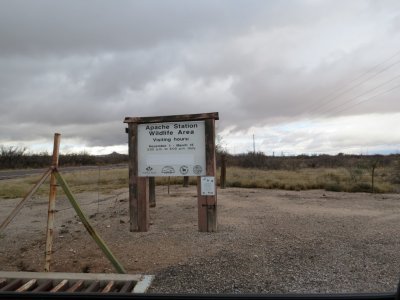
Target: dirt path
(269, 241)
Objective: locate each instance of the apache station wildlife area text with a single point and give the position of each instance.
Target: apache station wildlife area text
(179, 129)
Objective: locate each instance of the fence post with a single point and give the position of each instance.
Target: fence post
(185, 181)
(152, 191)
(222, 182)
(52, 203)
(207, 205)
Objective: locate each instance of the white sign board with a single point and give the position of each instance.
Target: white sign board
(172, 149)
(207, 186)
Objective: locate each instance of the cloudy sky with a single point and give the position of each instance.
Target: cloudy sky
(302, 76)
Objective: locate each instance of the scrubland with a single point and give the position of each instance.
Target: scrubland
(386, 180)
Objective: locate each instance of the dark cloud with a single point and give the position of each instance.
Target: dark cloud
(80, 67)
(62, 27)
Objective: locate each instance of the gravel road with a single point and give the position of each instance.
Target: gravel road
(268, 241)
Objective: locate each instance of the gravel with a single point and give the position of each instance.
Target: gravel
(268, 241)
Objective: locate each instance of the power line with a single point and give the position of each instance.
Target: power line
(357, 85)
(362, 94)
(379, 94)
(329, 96)
(375, 67)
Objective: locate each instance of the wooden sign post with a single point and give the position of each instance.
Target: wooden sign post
(178, 145)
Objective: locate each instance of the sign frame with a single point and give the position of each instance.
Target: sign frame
(139, 186)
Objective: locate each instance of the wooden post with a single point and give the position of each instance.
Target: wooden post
(143, 216)
(185, 181)
(52, 203)
(222, 181)
(138, 187)
(201, 208)
(374, 165)
(207, 205)
(132, 142)
(152, 191)
(372, 179)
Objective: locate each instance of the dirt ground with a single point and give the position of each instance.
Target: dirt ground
(268, 241)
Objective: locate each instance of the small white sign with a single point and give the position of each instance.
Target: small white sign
(208, 186)
(171, 149)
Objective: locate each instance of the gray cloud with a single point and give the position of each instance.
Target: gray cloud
(80, 67)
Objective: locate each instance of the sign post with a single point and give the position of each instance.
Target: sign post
(178, 145)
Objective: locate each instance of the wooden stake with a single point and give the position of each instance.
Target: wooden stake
(152, 191)
(207, 205)
(201, 208)
(185, 181)
(52, 203)
(143, 216)
(222, 181)
(133, 178)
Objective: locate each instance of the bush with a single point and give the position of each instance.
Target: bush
(18, 158)
(361, 187)
(333, 187)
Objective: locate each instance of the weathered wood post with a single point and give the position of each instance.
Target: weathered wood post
(222, 181)
(185, 181)
(178, 145)
(207, 204)
(152, 191)
(138, 192)
(52, 204)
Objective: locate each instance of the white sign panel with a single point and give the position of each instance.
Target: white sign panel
(172, 149)
(207, 186)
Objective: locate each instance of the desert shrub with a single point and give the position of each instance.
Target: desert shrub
(395, 173)
(333, 187)
(10, 156)
(235, 183)
(355, 173)
(332, 177)
(360, 187)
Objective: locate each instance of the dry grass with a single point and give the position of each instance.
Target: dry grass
(105, 181)
(14, 188)
(338, 179)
